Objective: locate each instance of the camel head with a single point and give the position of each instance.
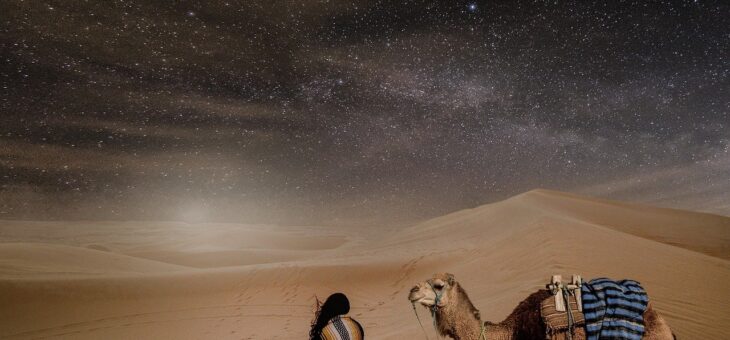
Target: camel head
(438, 291)
(450, 306)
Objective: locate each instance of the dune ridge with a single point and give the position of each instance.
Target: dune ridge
(235, 281)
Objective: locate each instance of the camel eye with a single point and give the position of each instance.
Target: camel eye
(438, 285)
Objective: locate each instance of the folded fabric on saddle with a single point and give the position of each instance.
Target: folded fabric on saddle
(614, 309)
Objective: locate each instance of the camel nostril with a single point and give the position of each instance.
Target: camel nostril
(415, 289)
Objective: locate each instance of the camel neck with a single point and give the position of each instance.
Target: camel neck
(458, 323)
(462, 325)
(498, 331)
(462, 321)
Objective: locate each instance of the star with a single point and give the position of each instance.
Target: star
(472, 7)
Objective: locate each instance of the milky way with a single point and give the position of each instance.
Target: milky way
(357, 112)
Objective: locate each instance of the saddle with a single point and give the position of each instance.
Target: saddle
(563, 311)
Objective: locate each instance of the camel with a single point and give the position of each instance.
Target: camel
(456, 317)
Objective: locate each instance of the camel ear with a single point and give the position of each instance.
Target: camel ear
(450, 279)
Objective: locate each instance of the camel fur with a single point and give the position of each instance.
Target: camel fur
(455, 316)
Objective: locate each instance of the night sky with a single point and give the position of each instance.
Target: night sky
(357, 112)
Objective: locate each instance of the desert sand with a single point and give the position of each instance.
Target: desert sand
(142, 280)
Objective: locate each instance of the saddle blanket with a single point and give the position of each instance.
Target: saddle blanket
(614, 309)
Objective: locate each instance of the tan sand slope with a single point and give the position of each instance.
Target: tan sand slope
(27, 260)
(499, 252)
(194, 245)
(706, 233)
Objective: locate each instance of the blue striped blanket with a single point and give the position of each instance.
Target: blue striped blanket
(614, 309)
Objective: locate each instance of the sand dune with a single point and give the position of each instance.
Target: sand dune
(696, 231)
(26, 260)
(179, 281)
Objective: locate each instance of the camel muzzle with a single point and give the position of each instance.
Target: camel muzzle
(415, 295)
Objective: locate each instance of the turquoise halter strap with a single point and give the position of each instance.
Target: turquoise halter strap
(433, 309)
(436, 301)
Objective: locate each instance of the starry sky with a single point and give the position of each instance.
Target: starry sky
(363, 111)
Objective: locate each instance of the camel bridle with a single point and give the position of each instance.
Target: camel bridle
(436, 300)
(435, 308)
